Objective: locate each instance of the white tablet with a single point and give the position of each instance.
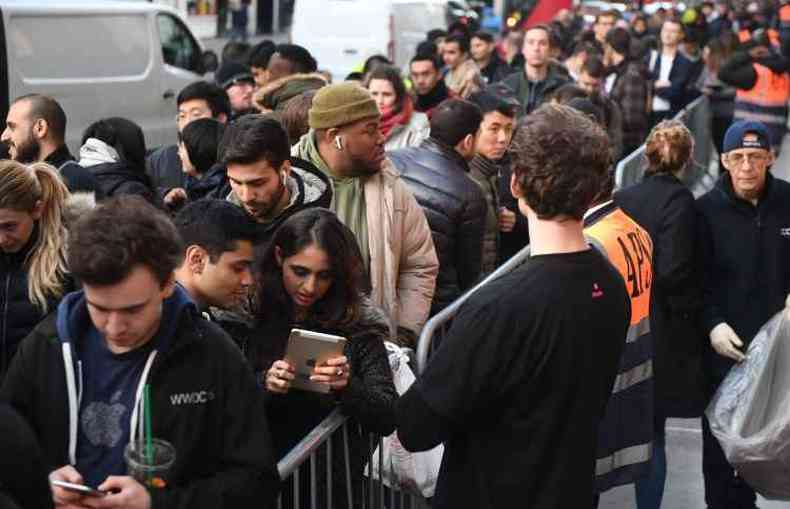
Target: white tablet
(308, 349)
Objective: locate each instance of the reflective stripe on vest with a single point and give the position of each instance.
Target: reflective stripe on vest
(767, 100)
(633, 376)
(624, 457)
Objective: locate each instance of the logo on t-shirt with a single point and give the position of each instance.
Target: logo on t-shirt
(597, 293)
(101, 422)
(784, 232)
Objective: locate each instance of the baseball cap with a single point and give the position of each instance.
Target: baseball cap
(231, 73)
(734, 137)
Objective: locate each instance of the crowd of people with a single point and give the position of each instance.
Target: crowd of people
(361, 209)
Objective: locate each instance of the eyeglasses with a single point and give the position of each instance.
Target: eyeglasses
(753, 158)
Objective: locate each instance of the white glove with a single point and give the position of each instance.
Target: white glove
(724, 340)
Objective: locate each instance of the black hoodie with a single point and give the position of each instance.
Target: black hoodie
(204, 401)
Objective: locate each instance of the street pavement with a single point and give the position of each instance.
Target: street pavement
(684, 487)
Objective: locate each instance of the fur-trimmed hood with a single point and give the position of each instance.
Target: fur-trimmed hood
(77, 205)
(274, 95)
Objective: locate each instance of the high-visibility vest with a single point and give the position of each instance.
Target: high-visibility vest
(773, 34)
(625, 437)
(630, 249)
(767, 100)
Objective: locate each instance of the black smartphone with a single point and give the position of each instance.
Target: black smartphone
(79, 488)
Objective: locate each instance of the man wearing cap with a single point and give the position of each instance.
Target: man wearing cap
(369, 197)
(236, 79)
(745, 261)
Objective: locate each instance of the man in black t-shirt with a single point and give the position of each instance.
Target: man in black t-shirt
(517, 389)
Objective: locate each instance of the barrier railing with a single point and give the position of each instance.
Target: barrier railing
(700, 176)
(311, 488)
(437, 327)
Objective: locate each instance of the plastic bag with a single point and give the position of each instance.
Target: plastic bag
(750, 413)
(411, 471)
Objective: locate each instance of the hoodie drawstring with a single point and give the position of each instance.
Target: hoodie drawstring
(138, 400)
(71, 387)
(75, 399)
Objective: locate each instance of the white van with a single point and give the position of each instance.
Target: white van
(341, 34)
(100, 59)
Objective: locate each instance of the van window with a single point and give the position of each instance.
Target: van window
(179, 49)
(82, 47)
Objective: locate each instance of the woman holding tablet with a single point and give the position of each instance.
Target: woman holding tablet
(311, 276)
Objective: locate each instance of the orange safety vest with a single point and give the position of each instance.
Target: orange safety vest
(767, 100)
(627, 429)
(773, 35)
(630, 249)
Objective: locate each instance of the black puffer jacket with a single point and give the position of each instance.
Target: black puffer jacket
(121, 178)
(456, 211)
(18, 314)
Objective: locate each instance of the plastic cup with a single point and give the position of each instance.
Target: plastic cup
(150, 469)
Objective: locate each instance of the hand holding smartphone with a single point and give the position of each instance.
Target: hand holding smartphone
(79, 488)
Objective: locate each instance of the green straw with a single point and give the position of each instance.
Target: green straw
(149, 447)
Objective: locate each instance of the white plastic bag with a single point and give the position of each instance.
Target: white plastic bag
(411, 471)
(750, 413)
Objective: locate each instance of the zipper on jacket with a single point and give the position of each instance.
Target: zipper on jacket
(3, 366)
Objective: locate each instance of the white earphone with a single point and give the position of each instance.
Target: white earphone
(339, 142)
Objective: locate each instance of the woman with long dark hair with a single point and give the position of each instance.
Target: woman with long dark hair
(311, 276)
(400, 125)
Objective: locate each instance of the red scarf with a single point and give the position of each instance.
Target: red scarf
(389, 118)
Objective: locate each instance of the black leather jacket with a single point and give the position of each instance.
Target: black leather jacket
(456, 211)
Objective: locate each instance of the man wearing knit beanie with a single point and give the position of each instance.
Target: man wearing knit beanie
(345, 143)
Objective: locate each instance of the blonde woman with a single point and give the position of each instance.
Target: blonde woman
(665, 208)
(33, 274)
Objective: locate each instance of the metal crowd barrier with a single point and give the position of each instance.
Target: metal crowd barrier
(701, 175)
(306, 486)
(438, 326)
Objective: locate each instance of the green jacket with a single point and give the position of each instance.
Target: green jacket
(532, 94)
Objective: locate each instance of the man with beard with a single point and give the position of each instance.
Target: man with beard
(237, 81)
(429, 87)
(369, 197)
(268, 184)
(36, 131)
